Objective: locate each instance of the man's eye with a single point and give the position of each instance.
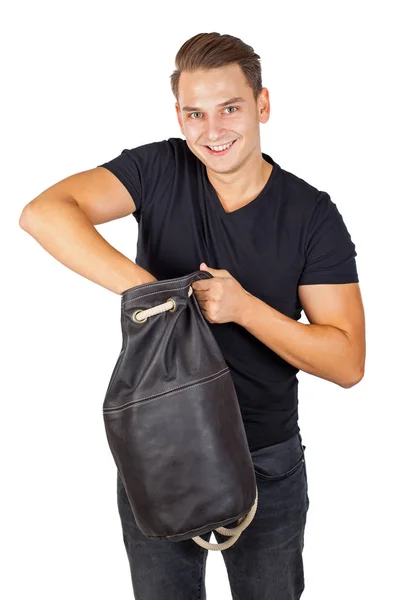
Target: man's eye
(199, 113)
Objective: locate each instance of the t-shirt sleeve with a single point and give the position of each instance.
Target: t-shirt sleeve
(143, 171)
(329, 250)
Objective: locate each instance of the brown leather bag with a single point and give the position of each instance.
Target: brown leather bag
(173, 422)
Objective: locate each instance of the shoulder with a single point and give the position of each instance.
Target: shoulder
(301, 198)
(300, 189)
(151, 158)
(170, 147)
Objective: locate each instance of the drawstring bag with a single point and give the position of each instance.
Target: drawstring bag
(173, 421)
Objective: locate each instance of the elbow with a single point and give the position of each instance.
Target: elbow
(39, 209)
(25, 219)
(353, 380)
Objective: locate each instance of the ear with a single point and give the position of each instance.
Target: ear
(178, 114)
(263, 105)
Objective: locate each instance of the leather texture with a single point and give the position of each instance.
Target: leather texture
(172, 418)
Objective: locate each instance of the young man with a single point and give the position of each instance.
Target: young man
(275, 245)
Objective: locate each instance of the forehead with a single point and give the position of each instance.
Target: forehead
(209, 87)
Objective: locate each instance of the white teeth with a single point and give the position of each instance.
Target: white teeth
(220, 148)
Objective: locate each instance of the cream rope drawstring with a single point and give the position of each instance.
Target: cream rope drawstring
(140, 316)
(234, 532)
(170, 304)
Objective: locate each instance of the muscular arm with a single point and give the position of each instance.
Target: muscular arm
(332, 346)
(62, 220)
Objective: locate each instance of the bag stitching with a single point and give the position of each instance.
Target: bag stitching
(157, 291)
(149, 398)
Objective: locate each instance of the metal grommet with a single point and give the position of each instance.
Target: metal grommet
(137, 320)
(173, 309)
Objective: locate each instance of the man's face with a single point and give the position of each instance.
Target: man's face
(204, 123)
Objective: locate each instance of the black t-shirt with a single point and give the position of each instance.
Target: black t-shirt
(291, 234)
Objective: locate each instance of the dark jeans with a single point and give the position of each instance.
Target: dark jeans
(266, 561)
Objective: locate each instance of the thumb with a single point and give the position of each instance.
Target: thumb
(204, 267)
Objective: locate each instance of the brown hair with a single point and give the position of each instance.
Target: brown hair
(212, 50)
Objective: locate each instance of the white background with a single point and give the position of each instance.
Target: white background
(81, 82)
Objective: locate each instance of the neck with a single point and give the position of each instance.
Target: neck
(242, 186)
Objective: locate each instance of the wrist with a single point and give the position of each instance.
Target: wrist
(246, 309)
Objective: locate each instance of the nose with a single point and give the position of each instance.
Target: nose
(215, 129)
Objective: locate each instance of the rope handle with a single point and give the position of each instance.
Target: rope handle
(234, 532)
(141, 316)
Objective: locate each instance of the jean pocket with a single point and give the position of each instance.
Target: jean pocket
(278, 462)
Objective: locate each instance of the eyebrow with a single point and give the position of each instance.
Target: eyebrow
(236, 99)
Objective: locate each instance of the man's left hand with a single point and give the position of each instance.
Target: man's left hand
(222, 299)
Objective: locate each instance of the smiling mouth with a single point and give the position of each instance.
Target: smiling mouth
(221, 149)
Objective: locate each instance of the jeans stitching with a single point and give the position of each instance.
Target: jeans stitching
(201, 572)
(284, 475)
